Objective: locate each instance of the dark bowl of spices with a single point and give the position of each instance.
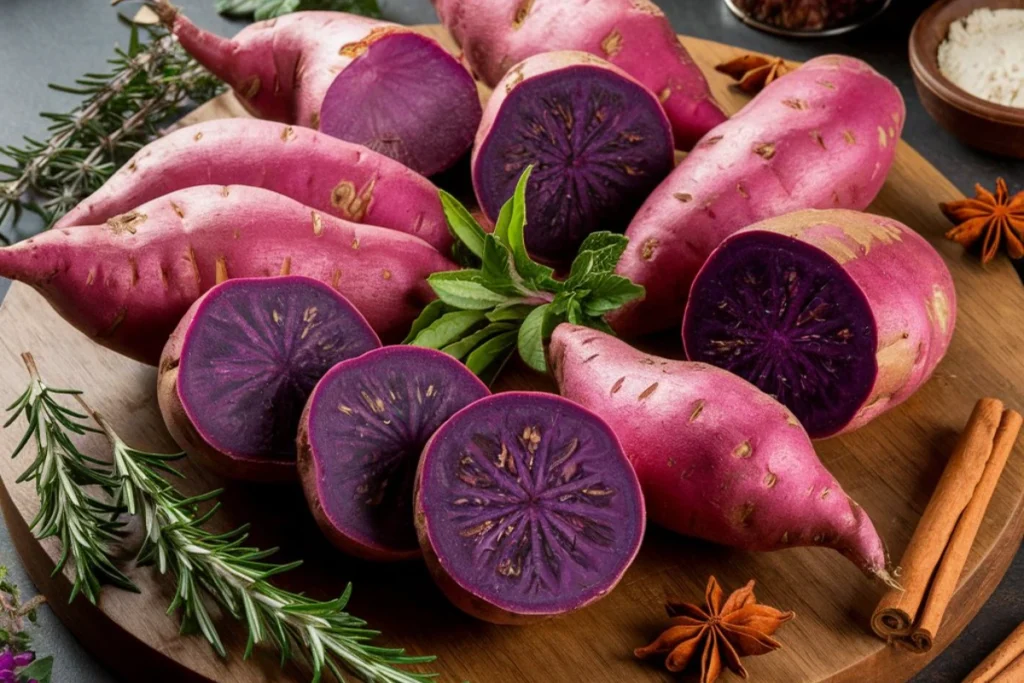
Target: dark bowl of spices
(806, 18)
(968, 63)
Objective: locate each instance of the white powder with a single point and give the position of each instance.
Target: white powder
(984, 55)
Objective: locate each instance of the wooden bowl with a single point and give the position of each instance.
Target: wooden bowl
(976, 122)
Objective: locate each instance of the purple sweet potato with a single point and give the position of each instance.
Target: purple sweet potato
(374, 83)
(717, 458)
(822, 137)
(360, 440)
(634, 35)
(840, 315)
(526, 508)
(236, 373)
(334, 177)
(598, 140)
(127, 282)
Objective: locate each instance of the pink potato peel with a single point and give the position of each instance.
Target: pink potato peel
(127, 282)
(370, 82)
(822, 137)
(634, 35)
(716, 458)
(838, 314)
(236, 372)
(334, 177)
(597, 139)
(360, 439)
(526, 508)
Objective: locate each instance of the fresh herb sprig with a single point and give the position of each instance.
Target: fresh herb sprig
(267, 9)
(509, 301)
(207, 566)
(237, 578)
(121, 109)
(82, 521)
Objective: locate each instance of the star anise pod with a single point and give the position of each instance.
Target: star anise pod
(754, 72)
(989, 217)
(739, 627)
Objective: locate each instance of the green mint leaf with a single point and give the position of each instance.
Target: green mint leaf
(581, 268)
(460, 348)
(448, 328)
(267, 9)
(493, 350)
(466, 293)
(462, 225)
(428, 315)
(606, 249)
(510, 313)
(608, 293)
(532, 334)
(504, 219)
(537, 275)
(496, 261)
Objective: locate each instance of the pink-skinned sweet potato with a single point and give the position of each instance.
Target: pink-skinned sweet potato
(371, 82)
(329, 175)
(716, 457)
(127, 282)
(822, 137)
(237, 370)
(838, 314)
(526, 508)
(634, 35)
(597, 139)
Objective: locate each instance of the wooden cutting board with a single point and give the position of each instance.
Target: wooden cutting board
(890, 467)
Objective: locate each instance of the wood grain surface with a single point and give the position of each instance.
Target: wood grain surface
(890, 467)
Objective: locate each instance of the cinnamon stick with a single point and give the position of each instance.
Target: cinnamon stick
(897, 611)
(1010, 651)
(947, 575)
(1013, 673)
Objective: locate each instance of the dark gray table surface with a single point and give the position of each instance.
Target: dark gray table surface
(56, 40)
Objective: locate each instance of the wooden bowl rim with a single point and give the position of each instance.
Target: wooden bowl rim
(924, 62)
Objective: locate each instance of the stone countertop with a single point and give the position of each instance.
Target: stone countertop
(57, 40)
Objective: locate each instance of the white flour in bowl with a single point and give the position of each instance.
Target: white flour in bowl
(984, 55)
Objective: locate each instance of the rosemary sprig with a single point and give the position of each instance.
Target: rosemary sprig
(267, 9)
(147, 85)
(81, 521)
(217, 566)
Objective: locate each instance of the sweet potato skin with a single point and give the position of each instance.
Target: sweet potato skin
(906, 283)
(634, 35)
(127, 282)
(286, 69)
(716, 458)
(824, 136)
(334, 177)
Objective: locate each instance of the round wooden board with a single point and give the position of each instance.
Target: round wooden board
(890, 467)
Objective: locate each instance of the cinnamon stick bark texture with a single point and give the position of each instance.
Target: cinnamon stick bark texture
(1010, 652)
(953, 560)
(898, 609)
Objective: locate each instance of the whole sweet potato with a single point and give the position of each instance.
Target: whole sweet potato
(127, 282)
(634, 35)
(366, 81)
(334, 177)
(840, 315)
(716, 457)
(824, 136)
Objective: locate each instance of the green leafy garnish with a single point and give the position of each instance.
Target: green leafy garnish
(267, 9)
(509, 301)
